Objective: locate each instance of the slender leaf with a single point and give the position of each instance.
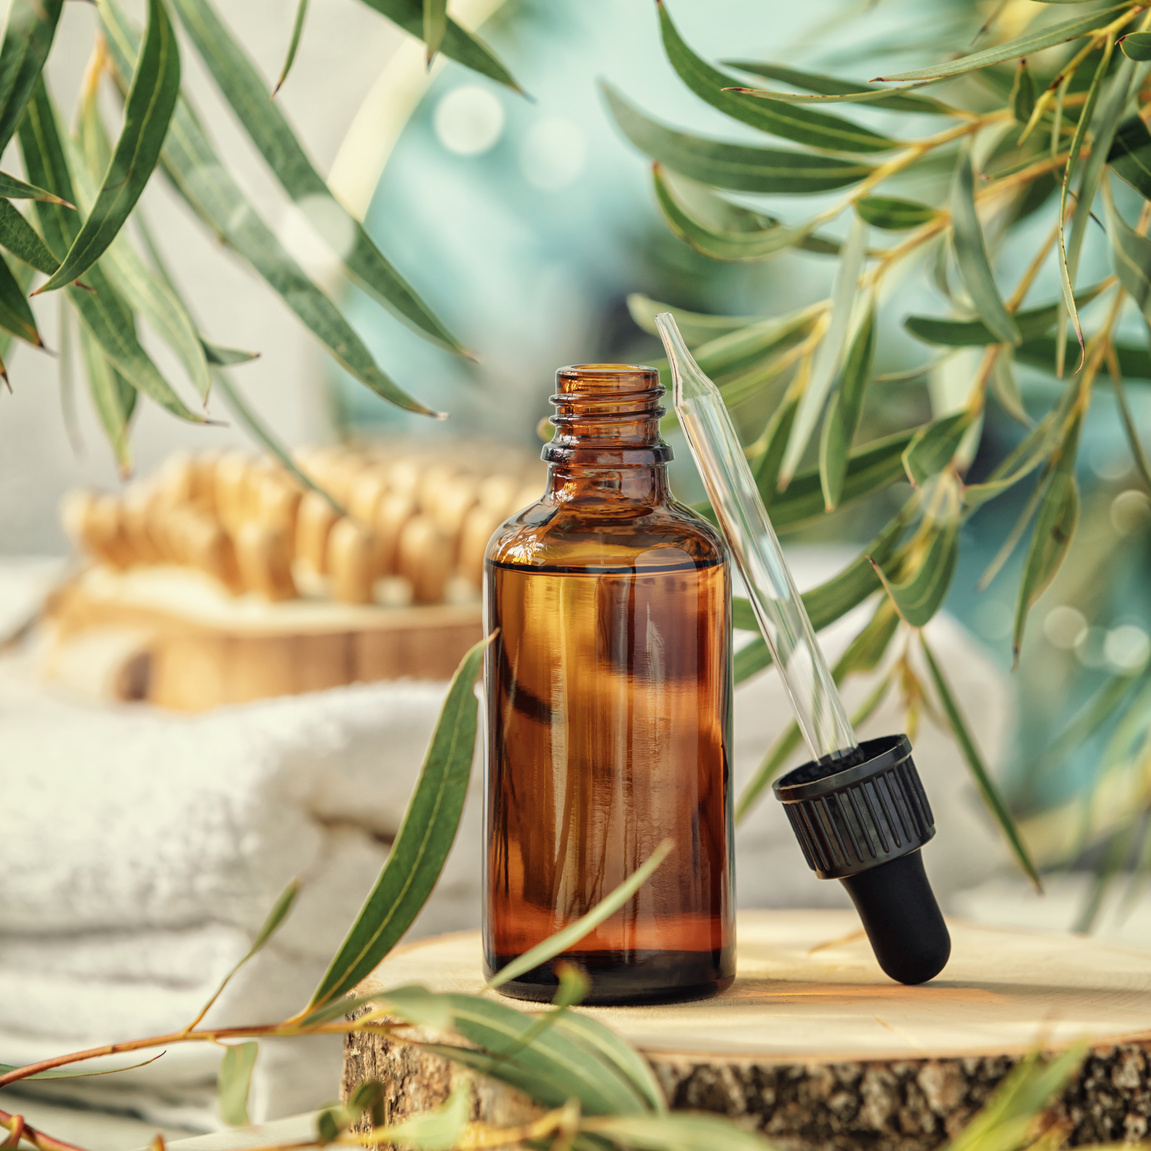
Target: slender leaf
(721, 244)
(681, 1132)
(1005, 386)
(1054, 529)
(574, 932)
(842, 417)
(988, 789)
(831, 348)
(934, 446)
(971, 257)
(15, 314)
(112, 396)
(1136, 45)
(1023, 94)
(244, 89)
(1025, 45)
(805, 126)
(14, 189)
(765, 469)
(196, 171)
(101, 310)
(459, 44)
(918, 576)
(293, 44)
(435, 25)
(1032, 324)
(23, 241)
(832, 88)
(1142, 464)
(894, 214)
(739, 167)
(1134, 362)
(70, 1073)
(424, 840)
(147, 113)
(695, 327)
(437, 1129)
(1130, 155)
(1131, 258)
(235, 1081)
(624, 1058)
(27, 42)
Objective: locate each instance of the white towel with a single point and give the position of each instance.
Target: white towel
(143, 849)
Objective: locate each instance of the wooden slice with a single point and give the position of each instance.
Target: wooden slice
(815, 1047)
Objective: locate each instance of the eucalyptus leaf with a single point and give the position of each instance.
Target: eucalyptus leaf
(438, 1128)
(459, 44)
(235, 1080)
(19, 237)
(1025, 45)
(70, 1073)
(435, 25)
(14, 189)
(293, 43)
(739, 167)
(195, 170)
(894, 214)
(244, 89)
(988, 789)
(613, 1050)
(842, 417)
(112, 396)
(765, 468)
(422, 844)
(1023, 94)
(831, 88)
(571, 935)
(28, 39)
(1134, 362)
(934, 446)
(1136, 45)
(15, 314)
(971, 257)
(147, 113)
(1131, 258)
(805, 126)
(695, 327)
(1054, 529)
(1130, 155)
(1005, 387)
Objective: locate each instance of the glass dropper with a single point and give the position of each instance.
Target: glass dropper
(782, 618)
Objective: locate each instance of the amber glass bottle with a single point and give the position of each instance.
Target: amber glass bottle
(608, 691)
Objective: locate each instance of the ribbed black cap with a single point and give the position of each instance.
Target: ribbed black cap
(851, 819)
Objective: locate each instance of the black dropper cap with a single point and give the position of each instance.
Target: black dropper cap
(862, 819)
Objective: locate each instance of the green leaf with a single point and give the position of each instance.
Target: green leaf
(811, 128)
(15, 314)
(294, 43)
(1005, 386)
(195, 170)
(842, 417)
(934, 446)
(14, 189)
(1136, 45)
(101, 310)
(1131, 258)
(765, 469)
(435, 25)
(574, 932)
(739, 167)
(918, 576)
(235, 1080)
(988, 789)
(679, 1132)
(27, 42)
(271, 924)
(1130, 155)
(424, 840)
(831, 88)
(608, 1046)
(220, 357)
(112, 396)
(1032, 323)
(69, 1073)
(1134, 362)
(1025, 45)
(971, 257)
(437, 1129)
(720, 244)
(244, 89)
(894, 214)
(1054, 529)
(695, 327)
(23, 241)
(459, 44)
(1023, 94)
(147, 113)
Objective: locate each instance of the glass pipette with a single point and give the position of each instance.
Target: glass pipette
(782, 618)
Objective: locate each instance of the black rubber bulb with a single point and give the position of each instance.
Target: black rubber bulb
(862, 818)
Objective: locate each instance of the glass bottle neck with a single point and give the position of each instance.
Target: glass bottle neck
(607, 444)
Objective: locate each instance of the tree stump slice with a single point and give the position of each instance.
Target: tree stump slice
(816, 1048)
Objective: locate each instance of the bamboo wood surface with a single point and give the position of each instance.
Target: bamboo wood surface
(816, 1047)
